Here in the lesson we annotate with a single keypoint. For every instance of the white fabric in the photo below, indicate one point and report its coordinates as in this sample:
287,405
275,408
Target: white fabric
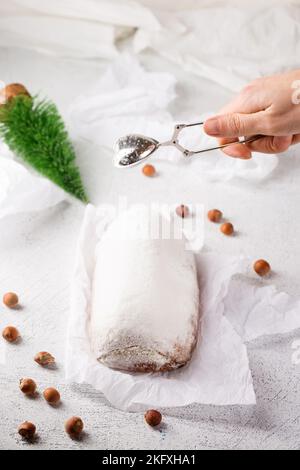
58,36
116,12
226,42
81,28
230,44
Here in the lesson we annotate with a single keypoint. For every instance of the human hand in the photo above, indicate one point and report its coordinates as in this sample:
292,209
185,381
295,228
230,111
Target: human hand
269,107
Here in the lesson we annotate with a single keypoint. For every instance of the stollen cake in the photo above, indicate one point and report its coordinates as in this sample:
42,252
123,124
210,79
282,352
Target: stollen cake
145,297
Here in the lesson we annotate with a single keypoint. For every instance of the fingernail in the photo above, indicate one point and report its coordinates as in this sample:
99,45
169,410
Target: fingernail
212,127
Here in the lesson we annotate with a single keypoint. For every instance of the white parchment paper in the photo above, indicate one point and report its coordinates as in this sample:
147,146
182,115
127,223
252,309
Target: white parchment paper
219,372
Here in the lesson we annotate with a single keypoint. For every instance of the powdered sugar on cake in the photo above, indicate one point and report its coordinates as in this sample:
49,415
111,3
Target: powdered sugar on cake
145,302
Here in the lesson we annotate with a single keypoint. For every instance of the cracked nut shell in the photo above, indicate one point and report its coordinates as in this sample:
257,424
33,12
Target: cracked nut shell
44,358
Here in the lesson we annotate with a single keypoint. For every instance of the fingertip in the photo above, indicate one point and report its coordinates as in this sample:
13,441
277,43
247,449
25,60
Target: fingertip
238,151
211,126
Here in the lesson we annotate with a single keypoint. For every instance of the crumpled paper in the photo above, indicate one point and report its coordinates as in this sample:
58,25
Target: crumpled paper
128,99
219,372
255,312
21,190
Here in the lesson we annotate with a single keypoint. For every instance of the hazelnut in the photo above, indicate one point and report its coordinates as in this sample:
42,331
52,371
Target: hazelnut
149,170
44,358
74,426
182,211
51,395
10,299
262,267
214,215
12,90
227,228
27,386
10,333
153,417
27,430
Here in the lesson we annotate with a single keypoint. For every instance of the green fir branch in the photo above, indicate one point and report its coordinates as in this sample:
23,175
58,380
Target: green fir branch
35,131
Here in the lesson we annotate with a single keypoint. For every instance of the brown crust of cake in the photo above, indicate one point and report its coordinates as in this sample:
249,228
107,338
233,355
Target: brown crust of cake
171,364
146,368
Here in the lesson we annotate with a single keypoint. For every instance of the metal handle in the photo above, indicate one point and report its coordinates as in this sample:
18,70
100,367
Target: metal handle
187,153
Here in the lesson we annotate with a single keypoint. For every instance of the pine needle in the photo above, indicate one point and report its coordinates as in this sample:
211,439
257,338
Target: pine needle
35,131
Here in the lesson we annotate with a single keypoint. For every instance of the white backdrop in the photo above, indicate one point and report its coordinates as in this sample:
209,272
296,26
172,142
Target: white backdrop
227,42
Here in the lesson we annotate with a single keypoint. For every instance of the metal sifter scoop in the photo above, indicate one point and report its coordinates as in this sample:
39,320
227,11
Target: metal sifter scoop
132,149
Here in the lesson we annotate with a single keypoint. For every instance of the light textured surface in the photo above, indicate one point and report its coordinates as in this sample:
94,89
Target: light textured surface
36,253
